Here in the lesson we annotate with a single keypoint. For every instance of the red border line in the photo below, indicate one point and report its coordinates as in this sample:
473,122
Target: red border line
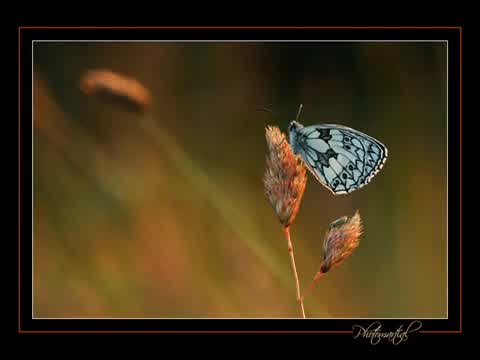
20,331
342,332
19,178
241,27
461,224
186,332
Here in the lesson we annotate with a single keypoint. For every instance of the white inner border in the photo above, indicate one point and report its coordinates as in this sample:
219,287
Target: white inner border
230,41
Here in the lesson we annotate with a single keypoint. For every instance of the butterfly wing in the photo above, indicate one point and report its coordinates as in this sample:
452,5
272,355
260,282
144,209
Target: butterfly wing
341,158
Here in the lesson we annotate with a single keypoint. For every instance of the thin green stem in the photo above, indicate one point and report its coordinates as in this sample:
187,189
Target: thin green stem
318,275
294,268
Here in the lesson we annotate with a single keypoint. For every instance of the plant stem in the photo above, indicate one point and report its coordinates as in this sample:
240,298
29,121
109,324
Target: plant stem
318,275
294,268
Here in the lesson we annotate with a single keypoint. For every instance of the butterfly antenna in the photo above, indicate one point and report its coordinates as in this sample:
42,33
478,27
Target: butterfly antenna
264,109
299,112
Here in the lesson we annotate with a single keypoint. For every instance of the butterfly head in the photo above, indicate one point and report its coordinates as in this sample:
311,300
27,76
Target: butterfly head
293,126
292,134
292,131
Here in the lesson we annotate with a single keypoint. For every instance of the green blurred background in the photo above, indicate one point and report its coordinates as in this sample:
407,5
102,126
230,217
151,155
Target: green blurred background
171,220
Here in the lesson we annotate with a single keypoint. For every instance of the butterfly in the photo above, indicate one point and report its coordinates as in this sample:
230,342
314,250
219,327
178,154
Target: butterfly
341,158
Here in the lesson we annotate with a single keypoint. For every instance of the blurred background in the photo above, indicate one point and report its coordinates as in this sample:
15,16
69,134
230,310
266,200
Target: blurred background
161,212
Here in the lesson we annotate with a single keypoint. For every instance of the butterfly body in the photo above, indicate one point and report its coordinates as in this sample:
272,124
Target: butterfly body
341,158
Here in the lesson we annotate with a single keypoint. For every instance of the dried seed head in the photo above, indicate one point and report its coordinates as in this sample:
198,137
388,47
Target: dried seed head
341,239
285,177
113,87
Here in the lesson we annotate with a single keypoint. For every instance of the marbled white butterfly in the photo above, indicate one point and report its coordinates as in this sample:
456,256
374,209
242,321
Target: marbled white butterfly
341,158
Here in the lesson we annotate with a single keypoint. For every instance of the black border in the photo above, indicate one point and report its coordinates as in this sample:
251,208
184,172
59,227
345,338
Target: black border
328,326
